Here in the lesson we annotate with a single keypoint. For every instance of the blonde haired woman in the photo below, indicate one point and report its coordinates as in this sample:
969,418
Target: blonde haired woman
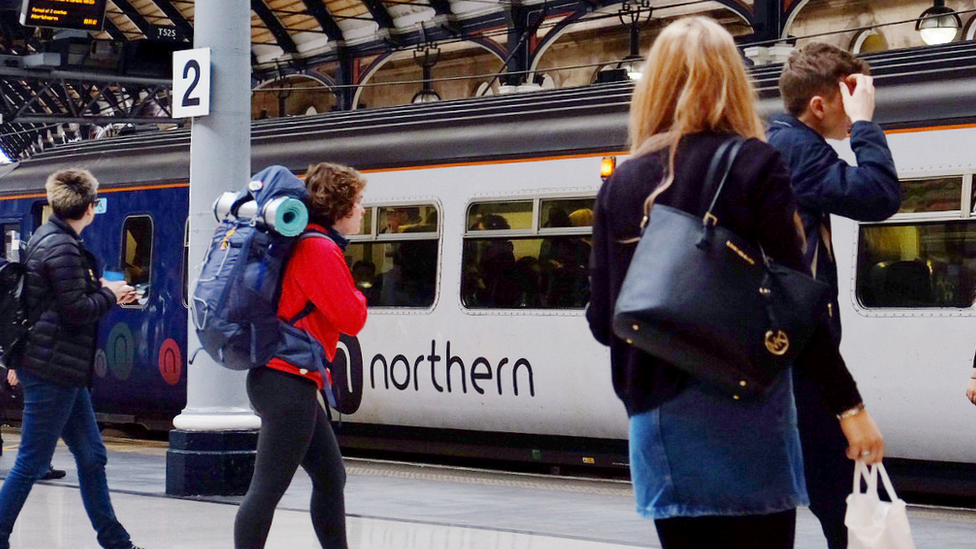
711,472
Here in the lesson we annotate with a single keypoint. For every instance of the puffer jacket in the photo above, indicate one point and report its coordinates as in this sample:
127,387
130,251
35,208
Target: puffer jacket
63,284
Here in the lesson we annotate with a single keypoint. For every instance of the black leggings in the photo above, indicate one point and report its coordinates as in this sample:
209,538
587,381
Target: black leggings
294,431
774,531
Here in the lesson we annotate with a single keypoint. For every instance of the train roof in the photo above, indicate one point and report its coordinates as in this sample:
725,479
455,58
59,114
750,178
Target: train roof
918,87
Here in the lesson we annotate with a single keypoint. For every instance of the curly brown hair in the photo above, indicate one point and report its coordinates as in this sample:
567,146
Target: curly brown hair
332,191
816,69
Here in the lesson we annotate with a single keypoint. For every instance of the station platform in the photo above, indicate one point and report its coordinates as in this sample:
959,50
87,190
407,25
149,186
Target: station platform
389,506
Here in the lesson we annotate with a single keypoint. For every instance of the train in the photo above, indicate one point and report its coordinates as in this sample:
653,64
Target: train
473,258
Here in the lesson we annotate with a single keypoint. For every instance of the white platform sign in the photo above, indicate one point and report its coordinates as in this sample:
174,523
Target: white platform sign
191,83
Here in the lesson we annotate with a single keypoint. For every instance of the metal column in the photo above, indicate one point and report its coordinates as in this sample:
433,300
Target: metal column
212,449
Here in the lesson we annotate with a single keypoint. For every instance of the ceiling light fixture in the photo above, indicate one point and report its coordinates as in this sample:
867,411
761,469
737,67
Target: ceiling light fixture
632,14
938,24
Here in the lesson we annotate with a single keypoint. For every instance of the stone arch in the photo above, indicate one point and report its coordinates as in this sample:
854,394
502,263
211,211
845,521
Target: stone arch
300,103
554,35
387,57
868,41
791,14
561,28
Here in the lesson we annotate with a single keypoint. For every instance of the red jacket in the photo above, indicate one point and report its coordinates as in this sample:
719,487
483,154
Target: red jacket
317,272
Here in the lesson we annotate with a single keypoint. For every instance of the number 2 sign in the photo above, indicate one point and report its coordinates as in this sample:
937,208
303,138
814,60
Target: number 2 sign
191,83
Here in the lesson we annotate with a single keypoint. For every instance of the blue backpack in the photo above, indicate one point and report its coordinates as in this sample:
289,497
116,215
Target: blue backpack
235,302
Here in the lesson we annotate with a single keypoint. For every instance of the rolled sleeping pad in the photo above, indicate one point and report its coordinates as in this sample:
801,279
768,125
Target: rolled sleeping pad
285,215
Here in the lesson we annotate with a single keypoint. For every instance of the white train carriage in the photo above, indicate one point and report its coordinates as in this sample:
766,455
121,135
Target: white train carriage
479,213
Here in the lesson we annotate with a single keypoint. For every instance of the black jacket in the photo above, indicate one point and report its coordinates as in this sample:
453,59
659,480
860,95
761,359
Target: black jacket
826,184
757,203
63,288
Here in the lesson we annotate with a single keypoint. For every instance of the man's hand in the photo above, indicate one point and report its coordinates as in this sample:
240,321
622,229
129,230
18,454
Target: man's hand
857,93
124,294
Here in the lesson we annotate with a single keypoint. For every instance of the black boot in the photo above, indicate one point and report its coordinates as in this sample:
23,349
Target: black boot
53,474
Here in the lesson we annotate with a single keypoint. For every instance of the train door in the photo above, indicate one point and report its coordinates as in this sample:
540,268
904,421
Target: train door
11,240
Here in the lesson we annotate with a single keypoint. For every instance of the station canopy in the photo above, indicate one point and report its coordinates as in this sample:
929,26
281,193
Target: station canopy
80,78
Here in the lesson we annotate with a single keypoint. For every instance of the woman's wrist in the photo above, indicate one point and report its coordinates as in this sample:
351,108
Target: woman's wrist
851,412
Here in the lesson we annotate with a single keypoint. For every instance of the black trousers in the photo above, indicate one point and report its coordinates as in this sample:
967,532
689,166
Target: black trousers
829,473
773,531
294,431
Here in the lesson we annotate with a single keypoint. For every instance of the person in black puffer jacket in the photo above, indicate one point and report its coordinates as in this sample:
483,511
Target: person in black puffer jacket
67,296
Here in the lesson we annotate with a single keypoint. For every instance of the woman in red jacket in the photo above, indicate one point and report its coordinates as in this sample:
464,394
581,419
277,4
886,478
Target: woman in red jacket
294,427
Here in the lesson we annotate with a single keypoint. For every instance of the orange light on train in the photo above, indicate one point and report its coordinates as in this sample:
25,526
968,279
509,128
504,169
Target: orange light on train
608,165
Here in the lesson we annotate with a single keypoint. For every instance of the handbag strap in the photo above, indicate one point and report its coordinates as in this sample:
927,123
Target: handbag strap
709,220
732,147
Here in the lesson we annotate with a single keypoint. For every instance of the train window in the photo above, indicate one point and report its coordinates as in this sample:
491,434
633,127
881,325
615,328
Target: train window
367,226
931,195
540,262
923,265
406,219
41,212
499,216
136,260
925,256
394,263
11,241
560,213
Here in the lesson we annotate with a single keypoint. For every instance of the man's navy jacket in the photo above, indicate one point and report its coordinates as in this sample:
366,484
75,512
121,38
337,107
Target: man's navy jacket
825,184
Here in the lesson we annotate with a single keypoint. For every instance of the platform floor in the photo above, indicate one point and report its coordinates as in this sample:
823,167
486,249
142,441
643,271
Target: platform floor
390,506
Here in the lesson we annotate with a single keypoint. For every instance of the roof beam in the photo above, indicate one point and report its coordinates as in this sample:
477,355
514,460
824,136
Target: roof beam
112,30
317,9
379,13
274,25
442,7
176,16
133,14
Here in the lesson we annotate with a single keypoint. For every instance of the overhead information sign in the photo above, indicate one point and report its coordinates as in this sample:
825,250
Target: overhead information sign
64,14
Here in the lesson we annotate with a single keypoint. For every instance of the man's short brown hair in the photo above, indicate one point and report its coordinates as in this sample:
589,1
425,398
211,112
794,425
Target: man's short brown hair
816,69
70,191
332,191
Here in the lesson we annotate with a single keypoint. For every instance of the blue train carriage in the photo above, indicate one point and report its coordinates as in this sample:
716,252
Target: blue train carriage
139,230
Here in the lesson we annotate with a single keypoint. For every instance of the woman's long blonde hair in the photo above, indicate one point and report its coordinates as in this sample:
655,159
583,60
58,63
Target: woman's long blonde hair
693,80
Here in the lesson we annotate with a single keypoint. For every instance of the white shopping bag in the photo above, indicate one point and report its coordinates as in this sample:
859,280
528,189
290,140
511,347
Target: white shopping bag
872,523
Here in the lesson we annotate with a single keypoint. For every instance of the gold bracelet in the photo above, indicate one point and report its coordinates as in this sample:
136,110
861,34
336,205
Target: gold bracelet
857,409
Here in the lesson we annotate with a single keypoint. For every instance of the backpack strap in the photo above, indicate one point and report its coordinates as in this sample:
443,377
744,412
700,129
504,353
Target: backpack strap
309,307
33,318
307,310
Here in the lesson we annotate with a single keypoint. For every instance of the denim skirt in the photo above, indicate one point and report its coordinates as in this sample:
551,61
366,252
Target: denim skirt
702,453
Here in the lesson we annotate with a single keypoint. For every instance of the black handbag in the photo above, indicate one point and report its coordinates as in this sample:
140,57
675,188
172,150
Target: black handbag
703,299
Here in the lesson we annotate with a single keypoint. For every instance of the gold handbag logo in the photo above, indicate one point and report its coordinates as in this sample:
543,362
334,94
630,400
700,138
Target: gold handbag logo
740,253
777,342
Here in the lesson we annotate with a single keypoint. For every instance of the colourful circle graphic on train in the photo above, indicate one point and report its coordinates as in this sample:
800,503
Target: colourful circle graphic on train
170,361
120,349
101,363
